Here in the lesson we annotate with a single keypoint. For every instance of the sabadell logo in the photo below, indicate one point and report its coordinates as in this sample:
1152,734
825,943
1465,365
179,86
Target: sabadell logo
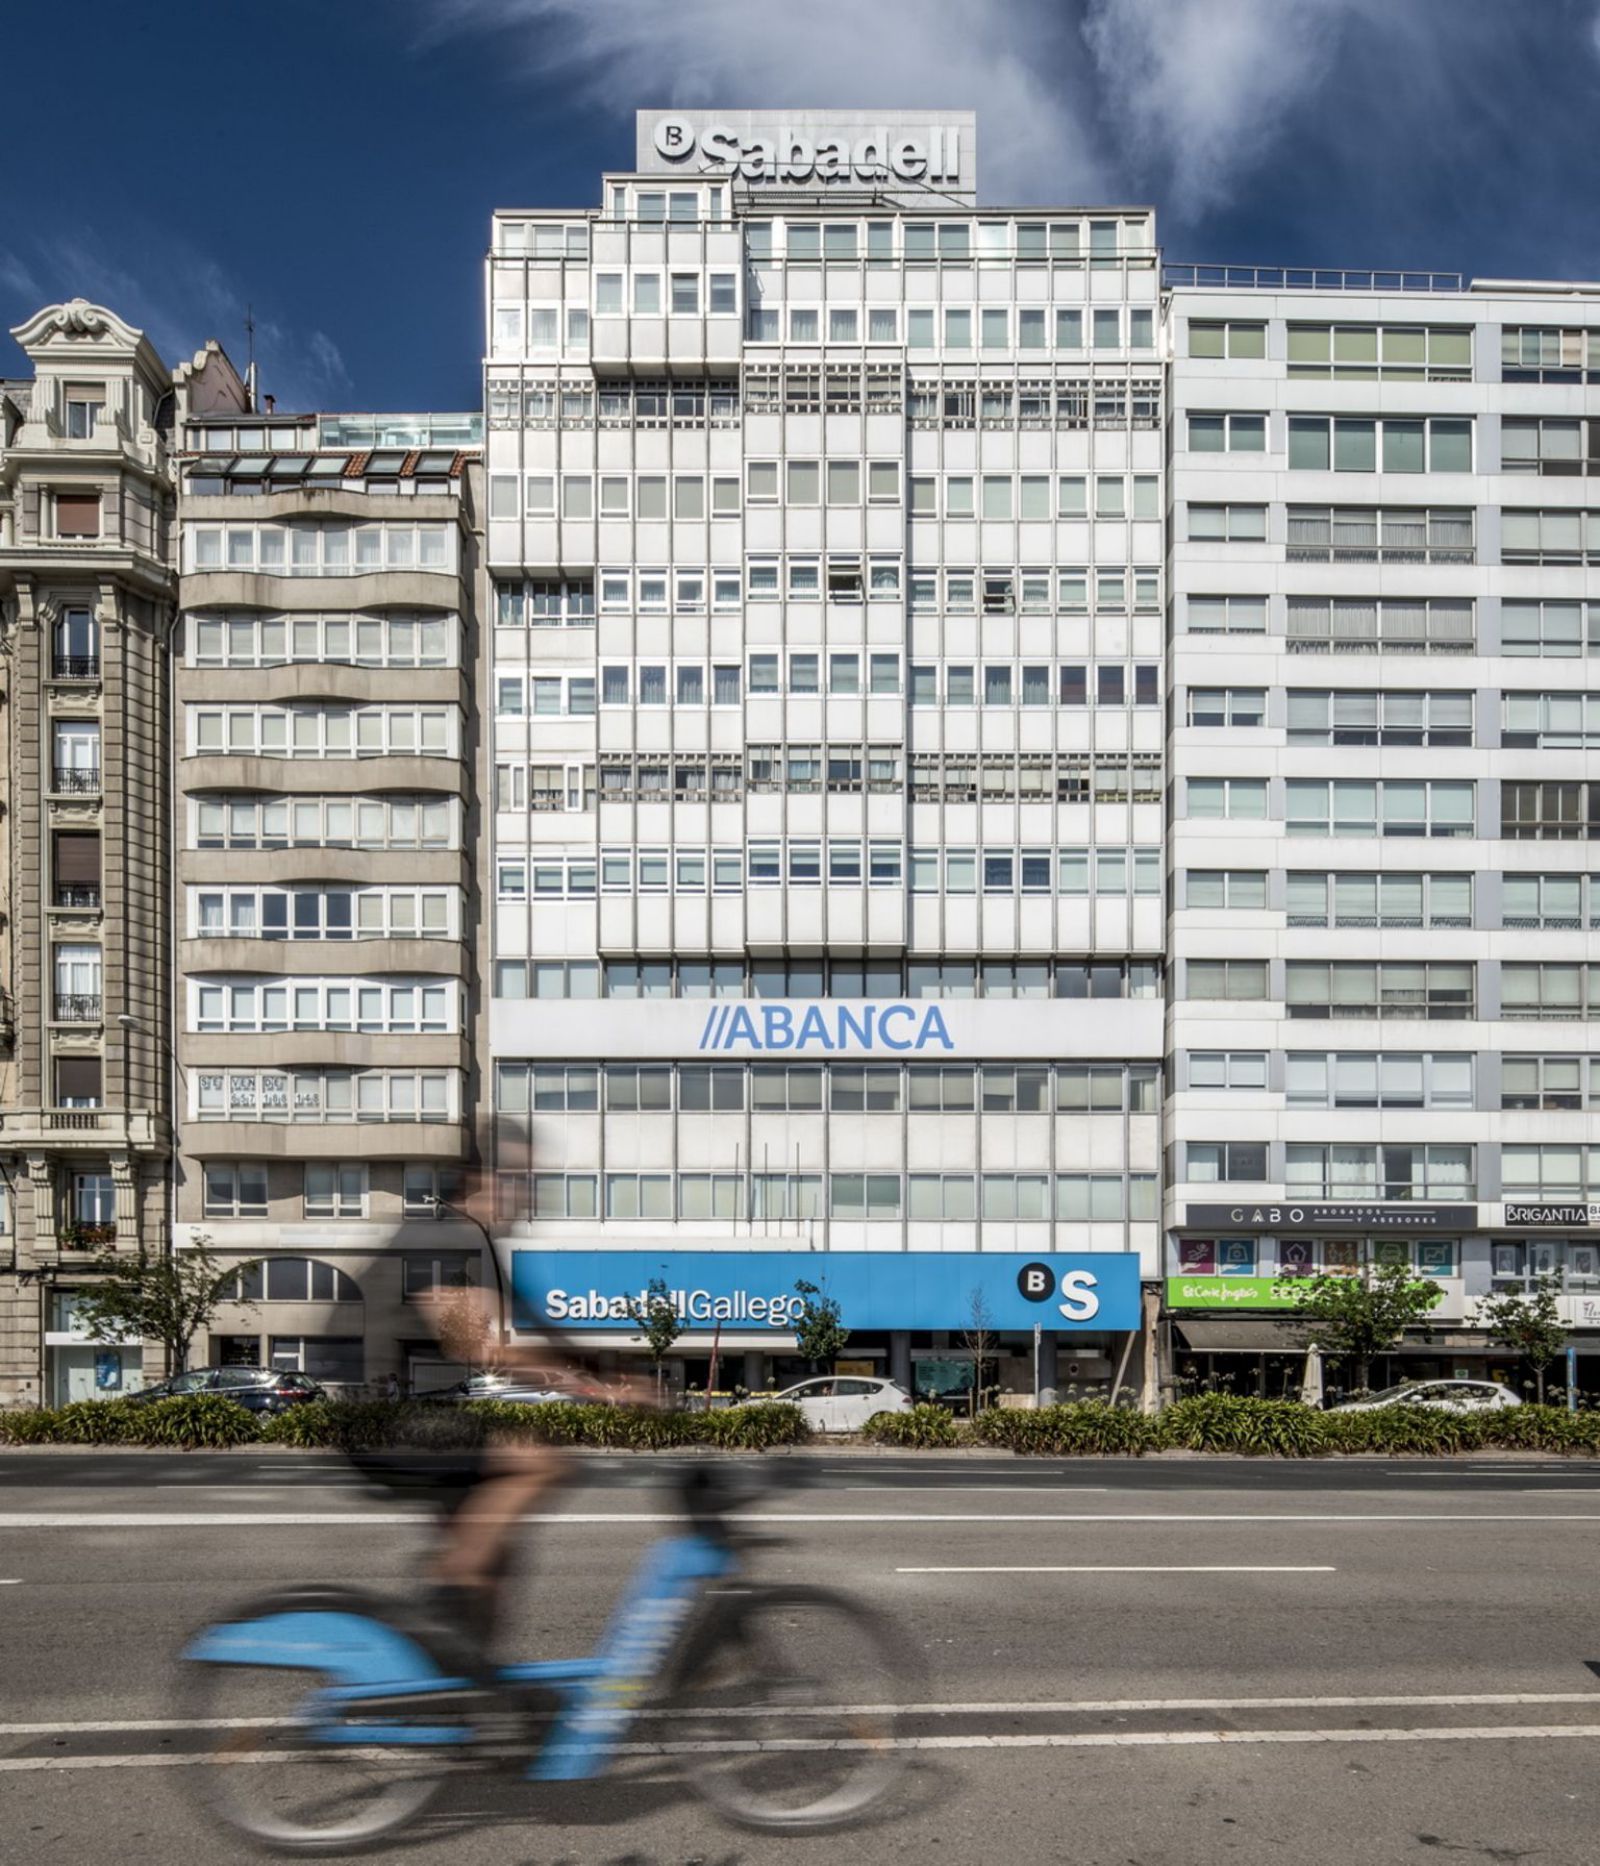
880,155
837,1027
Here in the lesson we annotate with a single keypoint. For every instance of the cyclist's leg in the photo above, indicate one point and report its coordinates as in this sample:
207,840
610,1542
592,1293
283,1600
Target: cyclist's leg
477,1537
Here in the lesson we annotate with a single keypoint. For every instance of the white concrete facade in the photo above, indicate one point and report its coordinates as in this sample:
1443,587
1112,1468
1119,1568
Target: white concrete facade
1380,945
825,548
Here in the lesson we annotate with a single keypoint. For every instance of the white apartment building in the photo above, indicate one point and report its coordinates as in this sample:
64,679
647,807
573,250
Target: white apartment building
1382,983
825,543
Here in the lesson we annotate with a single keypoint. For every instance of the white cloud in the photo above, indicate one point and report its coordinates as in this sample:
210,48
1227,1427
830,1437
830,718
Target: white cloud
1016,62
1199,89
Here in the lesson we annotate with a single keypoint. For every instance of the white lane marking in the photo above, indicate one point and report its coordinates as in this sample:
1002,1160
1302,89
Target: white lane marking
1026,1490
1095,1739
14,1583
1001,1708
286,1519
1119,1568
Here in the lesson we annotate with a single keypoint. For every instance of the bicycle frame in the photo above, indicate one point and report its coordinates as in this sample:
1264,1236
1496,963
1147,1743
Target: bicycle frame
374,1661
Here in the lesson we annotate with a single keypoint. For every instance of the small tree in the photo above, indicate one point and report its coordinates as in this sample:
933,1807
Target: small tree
978,1338
656,1317
466,1325
1528,1323
167,1297
819,1330
1354,1317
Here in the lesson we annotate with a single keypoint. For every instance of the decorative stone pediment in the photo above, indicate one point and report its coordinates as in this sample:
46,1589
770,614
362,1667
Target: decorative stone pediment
79,325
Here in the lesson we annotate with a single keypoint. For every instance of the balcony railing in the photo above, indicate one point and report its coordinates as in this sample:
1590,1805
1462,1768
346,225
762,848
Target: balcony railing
1308,279
75,667
77,1007
76,780
72,1120
77,894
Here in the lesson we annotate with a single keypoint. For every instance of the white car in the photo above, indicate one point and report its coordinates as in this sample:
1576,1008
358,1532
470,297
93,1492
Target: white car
1441,1395
844,1402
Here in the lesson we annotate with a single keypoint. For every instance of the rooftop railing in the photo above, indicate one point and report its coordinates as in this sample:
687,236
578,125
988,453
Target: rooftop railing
1308,279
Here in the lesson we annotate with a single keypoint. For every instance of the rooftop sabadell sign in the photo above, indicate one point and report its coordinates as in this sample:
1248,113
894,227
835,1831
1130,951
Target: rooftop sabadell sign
814,149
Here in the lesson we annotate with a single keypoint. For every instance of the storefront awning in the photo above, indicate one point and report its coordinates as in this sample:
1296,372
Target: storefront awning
1236,1334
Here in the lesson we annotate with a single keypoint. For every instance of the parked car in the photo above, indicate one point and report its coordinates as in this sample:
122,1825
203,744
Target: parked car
1441,1395
256,1389
505,1387
844,1402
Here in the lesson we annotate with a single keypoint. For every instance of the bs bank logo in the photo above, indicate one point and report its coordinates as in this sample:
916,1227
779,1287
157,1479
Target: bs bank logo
877,156
837,1028
1036,1282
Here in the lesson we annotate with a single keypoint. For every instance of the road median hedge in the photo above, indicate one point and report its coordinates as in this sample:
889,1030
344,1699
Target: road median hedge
1216,1422
207,1421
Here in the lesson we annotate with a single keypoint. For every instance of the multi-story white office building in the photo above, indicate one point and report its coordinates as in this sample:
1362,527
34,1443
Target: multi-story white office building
1380,1030
826,549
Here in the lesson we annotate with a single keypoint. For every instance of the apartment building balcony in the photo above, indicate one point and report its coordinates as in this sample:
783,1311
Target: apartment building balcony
75,781
91,1130
77,1007
80,896
81,667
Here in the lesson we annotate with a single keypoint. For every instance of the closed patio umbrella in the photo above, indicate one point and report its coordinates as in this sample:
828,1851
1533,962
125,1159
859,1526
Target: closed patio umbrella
1311,1381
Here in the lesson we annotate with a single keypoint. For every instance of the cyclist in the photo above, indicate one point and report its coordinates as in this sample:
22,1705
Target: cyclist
503,1477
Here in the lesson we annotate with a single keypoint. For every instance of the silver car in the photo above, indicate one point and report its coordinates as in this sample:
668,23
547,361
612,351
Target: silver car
1441,1395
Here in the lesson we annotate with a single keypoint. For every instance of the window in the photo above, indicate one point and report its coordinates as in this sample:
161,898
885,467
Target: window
1397,352
1368,535
1388,1079
1227,978
1439,625
1371,718
1549,991
1226,524
1386,807
1227,706
1352,989
1389,899
85,403
335,1191
1395,444
1217,1162
1238,888
1549,812
1233,434
235,1189
1227,1069
1236,798
864,1195
1567,1173
1343,1171
1556,446
1244,340
77,514
1550,721
1226,615
1550,1082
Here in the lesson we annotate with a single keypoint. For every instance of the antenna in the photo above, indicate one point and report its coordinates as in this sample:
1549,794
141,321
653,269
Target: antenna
250,356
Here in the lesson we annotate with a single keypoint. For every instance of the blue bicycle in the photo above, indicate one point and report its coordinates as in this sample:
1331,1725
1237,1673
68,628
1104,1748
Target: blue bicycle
329,1720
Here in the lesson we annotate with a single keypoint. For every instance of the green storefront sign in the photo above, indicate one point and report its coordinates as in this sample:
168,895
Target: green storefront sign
1228,1292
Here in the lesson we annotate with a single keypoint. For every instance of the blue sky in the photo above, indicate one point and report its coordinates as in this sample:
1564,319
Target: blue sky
333,163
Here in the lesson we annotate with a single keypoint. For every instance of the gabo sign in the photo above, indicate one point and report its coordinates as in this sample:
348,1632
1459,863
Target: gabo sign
932,154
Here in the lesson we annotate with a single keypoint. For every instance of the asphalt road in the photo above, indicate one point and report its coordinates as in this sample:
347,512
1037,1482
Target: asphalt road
1152,1663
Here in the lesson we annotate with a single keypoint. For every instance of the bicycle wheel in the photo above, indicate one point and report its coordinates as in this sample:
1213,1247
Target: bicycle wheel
784,1709
268,1774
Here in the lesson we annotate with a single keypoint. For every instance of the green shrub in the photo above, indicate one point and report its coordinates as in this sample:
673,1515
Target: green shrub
27,1425
1080,1428
192,1422
923,1428
756,1427
1254,1428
